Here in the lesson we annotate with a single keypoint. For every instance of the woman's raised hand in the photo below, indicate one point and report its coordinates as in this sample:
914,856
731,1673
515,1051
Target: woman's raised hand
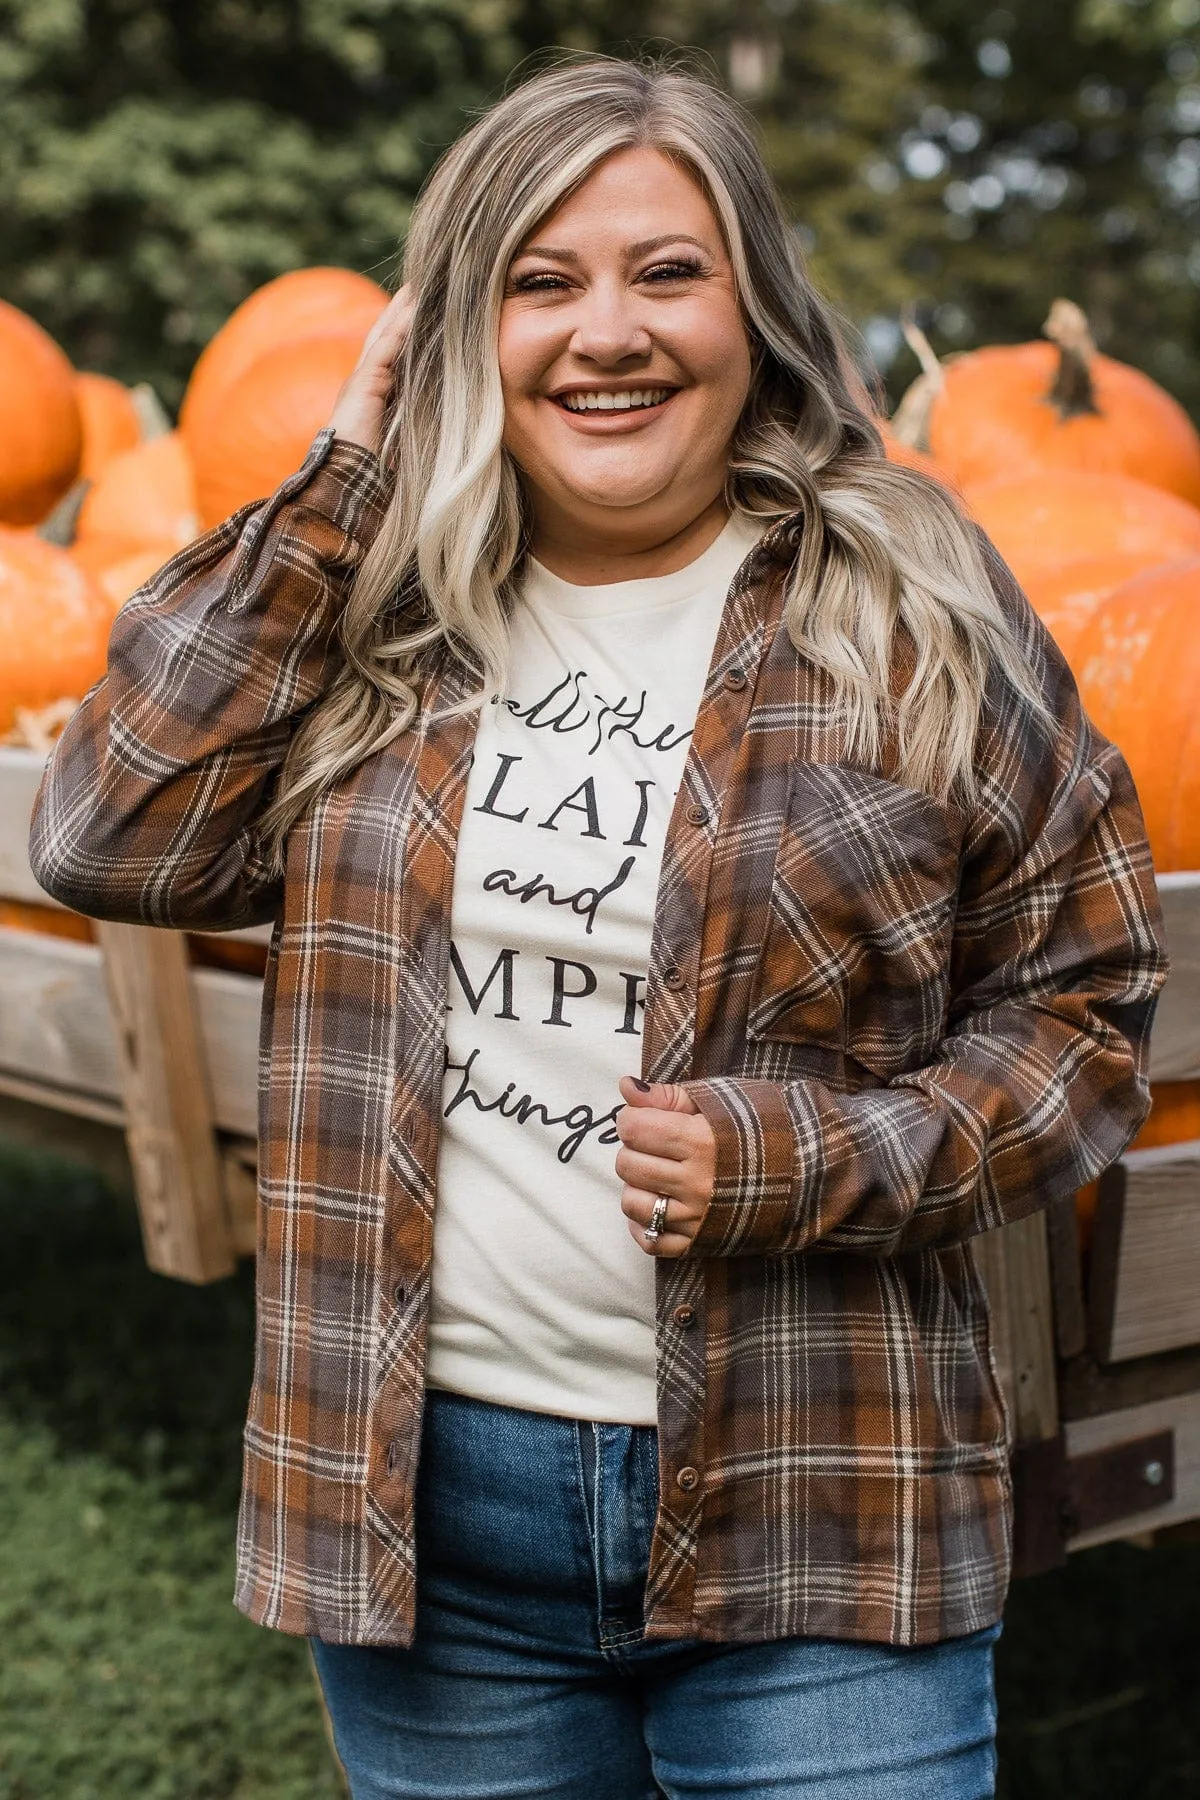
358,411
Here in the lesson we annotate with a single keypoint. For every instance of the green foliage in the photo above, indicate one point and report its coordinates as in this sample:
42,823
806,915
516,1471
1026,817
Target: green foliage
127,1672
1084,179
125,1669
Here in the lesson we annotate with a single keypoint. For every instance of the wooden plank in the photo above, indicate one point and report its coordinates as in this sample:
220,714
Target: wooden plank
1145,1272
1015,1266
1175,1039
20,774
168,1107
1180,1415
56,1025
239,1168
1087,1388
62,1100
1066,1278
39,1123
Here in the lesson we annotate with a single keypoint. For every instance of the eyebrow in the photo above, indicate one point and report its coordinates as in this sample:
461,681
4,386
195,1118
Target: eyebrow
642,248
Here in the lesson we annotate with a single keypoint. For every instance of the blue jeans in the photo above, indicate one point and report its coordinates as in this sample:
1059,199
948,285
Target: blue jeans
529,1674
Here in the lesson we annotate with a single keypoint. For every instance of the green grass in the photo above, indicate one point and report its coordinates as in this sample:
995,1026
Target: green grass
125,1670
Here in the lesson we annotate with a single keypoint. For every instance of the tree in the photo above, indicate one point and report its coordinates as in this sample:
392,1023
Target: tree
1062,144
160,159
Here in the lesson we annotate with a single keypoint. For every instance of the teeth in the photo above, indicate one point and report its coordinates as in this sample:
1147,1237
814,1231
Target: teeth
589,400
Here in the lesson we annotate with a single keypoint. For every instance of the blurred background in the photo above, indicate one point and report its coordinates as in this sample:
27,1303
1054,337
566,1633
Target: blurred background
161,159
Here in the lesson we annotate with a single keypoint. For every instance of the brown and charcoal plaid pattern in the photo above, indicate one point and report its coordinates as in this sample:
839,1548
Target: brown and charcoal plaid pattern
905,1023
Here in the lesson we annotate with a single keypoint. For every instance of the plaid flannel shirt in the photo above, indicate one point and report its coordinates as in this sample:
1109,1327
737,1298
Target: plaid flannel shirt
906,1024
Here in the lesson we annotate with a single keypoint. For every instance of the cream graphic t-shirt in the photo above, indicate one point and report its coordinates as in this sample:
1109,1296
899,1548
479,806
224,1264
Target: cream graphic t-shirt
541,1299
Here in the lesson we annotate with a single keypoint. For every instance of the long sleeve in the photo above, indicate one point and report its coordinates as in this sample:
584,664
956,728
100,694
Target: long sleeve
148,807
1040,1078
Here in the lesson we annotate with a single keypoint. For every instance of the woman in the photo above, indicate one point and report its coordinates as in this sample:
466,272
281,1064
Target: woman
672,813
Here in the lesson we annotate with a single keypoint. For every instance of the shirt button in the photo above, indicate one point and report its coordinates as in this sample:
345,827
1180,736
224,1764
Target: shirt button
687,1478
685,1316
696,815
400,1294
673,978
735,680
393,1456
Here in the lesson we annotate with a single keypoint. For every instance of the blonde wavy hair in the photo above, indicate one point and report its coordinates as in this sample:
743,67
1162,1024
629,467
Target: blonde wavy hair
883,549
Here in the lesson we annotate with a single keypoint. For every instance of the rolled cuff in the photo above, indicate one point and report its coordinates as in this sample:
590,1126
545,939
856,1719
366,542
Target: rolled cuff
751,1210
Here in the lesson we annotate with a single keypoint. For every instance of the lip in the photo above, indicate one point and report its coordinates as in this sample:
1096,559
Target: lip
608,424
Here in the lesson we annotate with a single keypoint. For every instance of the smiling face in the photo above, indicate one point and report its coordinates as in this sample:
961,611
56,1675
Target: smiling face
625,365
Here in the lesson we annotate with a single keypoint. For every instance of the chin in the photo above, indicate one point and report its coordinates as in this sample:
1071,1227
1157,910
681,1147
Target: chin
618,490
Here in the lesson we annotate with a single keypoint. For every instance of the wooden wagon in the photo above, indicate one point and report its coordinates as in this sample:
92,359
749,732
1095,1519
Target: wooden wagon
1099,1355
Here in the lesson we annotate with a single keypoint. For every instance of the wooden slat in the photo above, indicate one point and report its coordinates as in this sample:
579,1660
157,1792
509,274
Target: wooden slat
1175,1039
1180,1415
20,774
239,1168
56,1026
1145,1269
168,1106
62,1100
1015,1266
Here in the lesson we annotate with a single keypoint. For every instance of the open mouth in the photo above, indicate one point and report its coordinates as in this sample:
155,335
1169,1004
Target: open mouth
597,400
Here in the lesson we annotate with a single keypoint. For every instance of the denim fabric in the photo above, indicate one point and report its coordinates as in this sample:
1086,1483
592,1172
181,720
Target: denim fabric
529,1674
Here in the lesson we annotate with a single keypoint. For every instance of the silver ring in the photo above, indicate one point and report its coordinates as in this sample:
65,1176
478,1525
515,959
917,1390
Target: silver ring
658,1219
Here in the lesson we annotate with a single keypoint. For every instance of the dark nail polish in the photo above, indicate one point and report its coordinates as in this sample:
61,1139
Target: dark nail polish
643,1087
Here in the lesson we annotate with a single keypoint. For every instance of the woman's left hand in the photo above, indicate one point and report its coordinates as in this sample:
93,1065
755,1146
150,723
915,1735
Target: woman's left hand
667,1148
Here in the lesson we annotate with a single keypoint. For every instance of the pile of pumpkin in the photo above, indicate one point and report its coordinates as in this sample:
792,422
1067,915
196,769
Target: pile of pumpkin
1086,476
1083,471
97,492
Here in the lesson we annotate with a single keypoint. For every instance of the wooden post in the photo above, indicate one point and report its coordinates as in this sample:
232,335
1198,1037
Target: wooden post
1015,1265
168,1104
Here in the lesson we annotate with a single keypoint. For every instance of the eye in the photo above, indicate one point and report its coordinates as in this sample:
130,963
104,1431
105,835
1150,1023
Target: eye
537,281
680,268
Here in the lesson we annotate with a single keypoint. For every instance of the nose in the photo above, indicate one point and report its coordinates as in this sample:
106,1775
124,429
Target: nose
609,328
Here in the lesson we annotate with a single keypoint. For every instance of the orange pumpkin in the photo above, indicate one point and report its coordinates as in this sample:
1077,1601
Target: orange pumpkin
54,625
1060,405
124,572
907,454
1065,598
42,438
1039,522
110,421
144,496
248,446
24,915
303,304
1138,661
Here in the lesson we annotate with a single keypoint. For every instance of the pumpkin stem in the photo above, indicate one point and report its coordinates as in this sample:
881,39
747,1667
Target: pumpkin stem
59,525
152,414
1073,392
910,421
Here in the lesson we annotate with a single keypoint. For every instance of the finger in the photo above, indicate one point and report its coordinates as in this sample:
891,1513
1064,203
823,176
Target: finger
670,1244
663,1096
387,336
659,1133
654,1174
678,1227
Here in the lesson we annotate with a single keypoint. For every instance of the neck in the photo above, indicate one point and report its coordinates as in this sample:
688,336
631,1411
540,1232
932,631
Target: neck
588,558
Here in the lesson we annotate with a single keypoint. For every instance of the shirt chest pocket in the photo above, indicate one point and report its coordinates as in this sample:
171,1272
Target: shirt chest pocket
856,952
